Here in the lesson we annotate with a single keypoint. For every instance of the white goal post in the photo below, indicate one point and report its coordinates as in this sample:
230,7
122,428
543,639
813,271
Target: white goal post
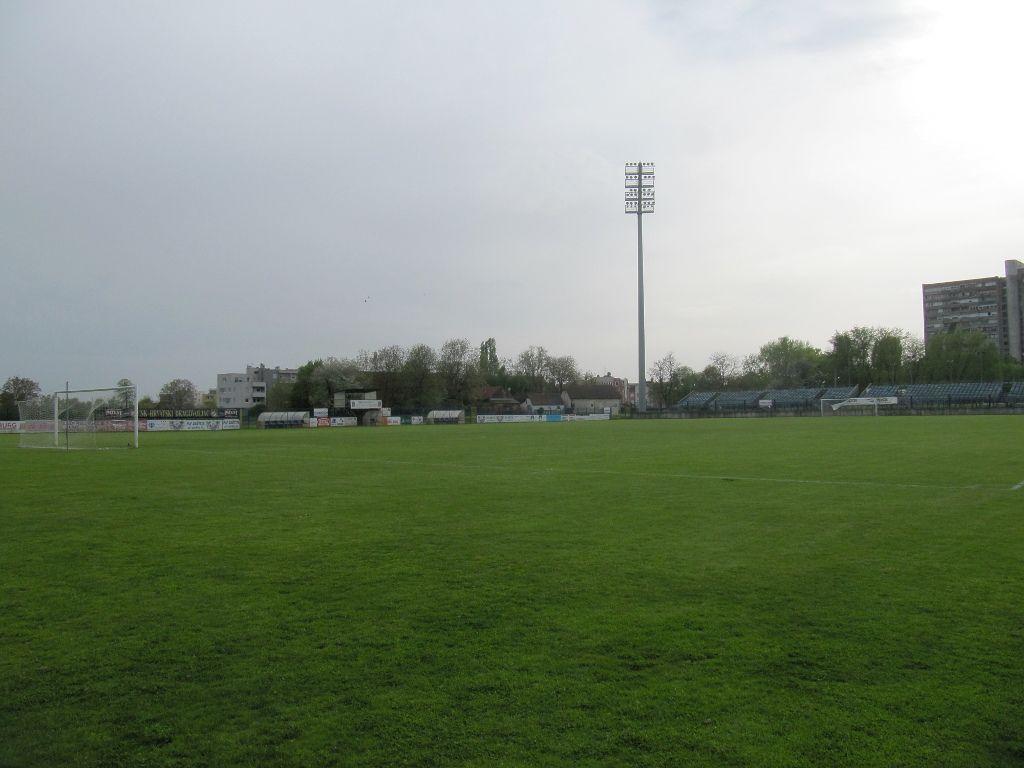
90,419
854,406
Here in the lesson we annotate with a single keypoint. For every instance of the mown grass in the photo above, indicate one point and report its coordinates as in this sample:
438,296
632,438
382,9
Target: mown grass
768,592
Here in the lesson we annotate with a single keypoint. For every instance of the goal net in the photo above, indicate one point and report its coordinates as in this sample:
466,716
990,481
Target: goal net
856,406
81,419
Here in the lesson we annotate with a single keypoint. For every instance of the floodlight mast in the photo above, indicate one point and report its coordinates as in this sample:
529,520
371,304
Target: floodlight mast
640,200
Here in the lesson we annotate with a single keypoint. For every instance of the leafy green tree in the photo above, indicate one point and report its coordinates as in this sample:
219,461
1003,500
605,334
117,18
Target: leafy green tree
179,393
15,389
710,379
913,359
302,393
962,356
420,386
490,366
841,360
849,361
887,357
788,363
1012,370
279,396
318,381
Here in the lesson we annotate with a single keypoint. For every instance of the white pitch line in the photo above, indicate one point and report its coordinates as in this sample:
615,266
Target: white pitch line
1018,486
678,476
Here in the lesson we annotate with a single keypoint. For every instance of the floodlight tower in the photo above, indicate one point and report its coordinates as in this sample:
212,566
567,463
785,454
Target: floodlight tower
640,200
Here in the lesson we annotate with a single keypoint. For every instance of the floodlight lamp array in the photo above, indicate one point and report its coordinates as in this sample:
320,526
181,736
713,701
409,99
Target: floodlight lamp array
640,187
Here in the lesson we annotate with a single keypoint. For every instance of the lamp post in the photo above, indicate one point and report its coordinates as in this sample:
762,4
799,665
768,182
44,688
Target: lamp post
640,200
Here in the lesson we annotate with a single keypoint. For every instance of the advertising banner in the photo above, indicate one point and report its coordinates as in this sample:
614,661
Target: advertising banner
344,421
10,426
394,421
416,420
189,425
510,418
323,421
364,405
320,413
181,413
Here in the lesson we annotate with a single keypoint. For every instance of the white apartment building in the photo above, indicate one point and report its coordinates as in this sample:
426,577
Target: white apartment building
244,390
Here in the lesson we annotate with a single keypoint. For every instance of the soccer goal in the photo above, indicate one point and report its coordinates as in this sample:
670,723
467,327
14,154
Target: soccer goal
89,419
855,406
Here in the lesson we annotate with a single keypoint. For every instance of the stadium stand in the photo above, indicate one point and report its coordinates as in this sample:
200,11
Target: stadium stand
792,398
960,393
882,390
737,400
696,400
1016,394
837,393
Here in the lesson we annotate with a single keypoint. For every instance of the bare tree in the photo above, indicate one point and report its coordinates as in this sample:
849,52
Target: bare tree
532,363
457,367
385,365
728,367
666,381
562,370
125,398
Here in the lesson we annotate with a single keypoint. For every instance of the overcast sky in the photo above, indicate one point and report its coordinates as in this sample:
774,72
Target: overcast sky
188,187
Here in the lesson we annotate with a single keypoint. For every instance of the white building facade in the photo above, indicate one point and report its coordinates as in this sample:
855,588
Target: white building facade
245,390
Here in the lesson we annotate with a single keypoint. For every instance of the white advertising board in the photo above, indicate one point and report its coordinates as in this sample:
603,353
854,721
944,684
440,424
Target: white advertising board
320,413
344,421
394,421
10,426
364,405
871,401
191,425
416,420
510,418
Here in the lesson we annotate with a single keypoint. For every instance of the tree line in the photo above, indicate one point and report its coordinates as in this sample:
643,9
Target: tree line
420,377
457,373
856,357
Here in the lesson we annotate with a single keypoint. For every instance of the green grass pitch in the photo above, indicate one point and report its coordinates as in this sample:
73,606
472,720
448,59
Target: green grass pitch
791,592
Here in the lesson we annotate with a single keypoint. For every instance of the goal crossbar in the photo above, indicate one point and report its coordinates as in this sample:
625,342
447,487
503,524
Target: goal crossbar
93,418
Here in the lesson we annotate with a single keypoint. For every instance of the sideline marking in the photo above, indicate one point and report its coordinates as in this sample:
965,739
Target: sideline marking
680,476
1018,486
